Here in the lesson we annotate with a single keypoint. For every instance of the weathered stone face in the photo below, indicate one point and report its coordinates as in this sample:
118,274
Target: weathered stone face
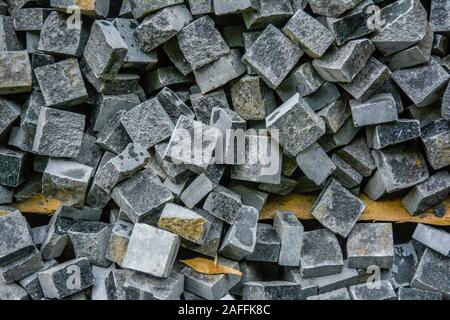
17,79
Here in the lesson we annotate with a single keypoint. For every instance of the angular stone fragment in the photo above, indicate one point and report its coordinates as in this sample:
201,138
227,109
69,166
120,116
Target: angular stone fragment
345,173
202,185
211,287
240,239
405,261
12,292
135,56
151,250
201,43
337,209
204,104
400,167
105,50
161,26
10,112
141,196
17,79
8,37
432,273
272,46
219,72
119,168
223,204
252,99
270,12
357,154
309,34
29,19
296,124
335,114
61,83
290,231
140,286
85,213
315,163
268,245
325,95
58,38
440,45
421,92
173,51
332,8
211,244
343,64
303,79
368,81
417,294
113,137
184,147
341,138
92,8
66,181
271,290
225,7
388,134
375,188
56,238
148,123
21,267
58,133
6,195
66,279
15,239
370,244
436,140
31,282
405,25
90,153
114,284
163,77
440,16
321,254
438,240
108,105
118,241
380,108
173,105
416,55
252,198
177,172
379,290
339,294
15,167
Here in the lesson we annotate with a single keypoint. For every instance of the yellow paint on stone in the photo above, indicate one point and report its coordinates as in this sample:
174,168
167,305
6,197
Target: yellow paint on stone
191,229
38,204
390,210
88,5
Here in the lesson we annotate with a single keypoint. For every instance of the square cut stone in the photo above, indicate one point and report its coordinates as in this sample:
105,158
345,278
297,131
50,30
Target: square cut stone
270,12
8,37
432,273
223,204
225,7
271,290
66,181
290,231
141,196
10,112
435,239
272,45
148,123
321,254
295,125
268,245
388,134
410,294
105,50
309,34
201,43
332,8
91,8
370,244
400,167
17,79
379,108
15,237
62,84
151,251
59,133
422,93
381,290
343,64
405,262
337,209
440,16
141,8
139,286
15,167
315,163
436,141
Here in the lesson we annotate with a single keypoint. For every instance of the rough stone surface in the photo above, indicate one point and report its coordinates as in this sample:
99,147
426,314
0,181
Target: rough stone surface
272,56
392,133
370,244
17,79
14,167
290,231
315,163
145,287
405,261
417,294
436,140
380,290
433,238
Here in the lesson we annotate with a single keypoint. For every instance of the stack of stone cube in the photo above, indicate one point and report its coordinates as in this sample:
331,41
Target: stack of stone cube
100,99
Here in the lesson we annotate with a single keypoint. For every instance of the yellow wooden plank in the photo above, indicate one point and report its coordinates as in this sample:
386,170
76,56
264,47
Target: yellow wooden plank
39,204
382,210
